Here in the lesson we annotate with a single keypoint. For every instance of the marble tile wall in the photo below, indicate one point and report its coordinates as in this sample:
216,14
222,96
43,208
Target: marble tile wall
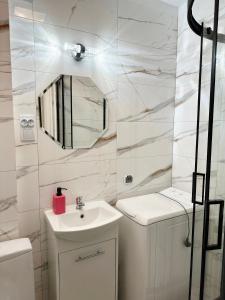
147,37
8,194
188,53
134,65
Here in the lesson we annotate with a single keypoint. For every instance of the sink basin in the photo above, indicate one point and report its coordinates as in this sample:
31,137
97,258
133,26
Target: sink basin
95,216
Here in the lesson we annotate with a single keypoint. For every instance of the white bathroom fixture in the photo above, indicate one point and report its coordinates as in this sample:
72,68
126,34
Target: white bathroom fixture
16,270
83,252
154,257
95,217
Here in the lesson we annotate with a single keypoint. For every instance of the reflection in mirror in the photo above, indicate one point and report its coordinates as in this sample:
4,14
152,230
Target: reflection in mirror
73,112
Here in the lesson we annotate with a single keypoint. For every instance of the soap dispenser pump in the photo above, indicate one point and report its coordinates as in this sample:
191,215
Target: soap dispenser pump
59,201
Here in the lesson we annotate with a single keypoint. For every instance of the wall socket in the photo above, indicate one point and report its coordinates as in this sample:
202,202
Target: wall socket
27,128
128,179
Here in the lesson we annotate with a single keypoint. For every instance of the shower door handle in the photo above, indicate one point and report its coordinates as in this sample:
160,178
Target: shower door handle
194,188
218,244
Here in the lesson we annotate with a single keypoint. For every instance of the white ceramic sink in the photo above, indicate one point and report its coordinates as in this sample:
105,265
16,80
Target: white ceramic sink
95,215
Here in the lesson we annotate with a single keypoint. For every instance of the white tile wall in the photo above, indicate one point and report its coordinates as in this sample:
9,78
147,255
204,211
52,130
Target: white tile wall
135,68
8,193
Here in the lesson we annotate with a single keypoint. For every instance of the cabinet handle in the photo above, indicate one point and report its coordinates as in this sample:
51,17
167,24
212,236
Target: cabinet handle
97,253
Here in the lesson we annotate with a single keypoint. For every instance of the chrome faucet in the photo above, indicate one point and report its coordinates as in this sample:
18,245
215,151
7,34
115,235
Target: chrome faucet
79,203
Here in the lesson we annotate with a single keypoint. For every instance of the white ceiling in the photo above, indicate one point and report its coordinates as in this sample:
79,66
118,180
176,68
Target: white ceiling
175,2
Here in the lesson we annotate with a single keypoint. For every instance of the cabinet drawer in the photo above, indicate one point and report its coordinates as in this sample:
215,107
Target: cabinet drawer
89,273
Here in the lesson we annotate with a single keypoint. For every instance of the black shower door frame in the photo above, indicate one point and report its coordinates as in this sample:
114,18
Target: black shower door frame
206,202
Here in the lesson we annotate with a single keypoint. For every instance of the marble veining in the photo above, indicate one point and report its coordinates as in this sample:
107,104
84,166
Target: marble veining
72,179
140,21
23,88
5,204
189,133
24,171
155,175
148,112
149,140
7,234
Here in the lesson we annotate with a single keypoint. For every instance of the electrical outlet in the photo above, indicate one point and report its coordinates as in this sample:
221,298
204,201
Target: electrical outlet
128,179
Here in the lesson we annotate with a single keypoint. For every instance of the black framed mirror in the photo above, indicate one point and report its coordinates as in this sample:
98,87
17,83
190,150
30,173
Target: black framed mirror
73,112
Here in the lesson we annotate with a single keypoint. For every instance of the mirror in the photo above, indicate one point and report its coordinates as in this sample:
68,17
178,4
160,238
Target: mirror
73,112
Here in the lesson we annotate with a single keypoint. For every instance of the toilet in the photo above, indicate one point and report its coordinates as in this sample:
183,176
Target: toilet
16,270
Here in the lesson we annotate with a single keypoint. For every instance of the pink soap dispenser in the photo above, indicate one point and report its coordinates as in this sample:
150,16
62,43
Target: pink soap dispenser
59,202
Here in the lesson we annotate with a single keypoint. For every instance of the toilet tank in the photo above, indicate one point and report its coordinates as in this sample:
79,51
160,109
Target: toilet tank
16,270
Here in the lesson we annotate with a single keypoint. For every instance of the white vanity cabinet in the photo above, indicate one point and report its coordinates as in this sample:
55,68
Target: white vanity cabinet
83,252
83,266
88,272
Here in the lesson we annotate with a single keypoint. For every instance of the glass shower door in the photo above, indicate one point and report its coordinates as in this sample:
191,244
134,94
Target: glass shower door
213,286
207,279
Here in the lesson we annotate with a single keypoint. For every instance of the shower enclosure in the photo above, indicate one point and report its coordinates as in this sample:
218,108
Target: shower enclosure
207,273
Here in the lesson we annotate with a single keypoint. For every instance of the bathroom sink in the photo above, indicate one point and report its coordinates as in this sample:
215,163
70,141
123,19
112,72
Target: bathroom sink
92,218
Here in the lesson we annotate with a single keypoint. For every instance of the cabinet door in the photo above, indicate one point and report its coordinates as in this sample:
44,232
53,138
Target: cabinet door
89,273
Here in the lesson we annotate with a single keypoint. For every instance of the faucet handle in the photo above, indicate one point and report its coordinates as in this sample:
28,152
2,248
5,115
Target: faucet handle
79,200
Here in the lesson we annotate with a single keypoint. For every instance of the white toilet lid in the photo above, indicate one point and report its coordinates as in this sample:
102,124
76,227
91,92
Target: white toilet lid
156,207
14,248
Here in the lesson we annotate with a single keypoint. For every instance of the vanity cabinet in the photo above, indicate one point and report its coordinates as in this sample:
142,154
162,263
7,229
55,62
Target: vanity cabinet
83,265
89,272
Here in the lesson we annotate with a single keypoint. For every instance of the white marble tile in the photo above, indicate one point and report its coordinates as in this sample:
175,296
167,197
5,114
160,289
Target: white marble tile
98,17
23,83
147,33
183,168
187,99
108,178
9,230
44,239
52,54
144,139
26,155
37,266
29,226
6,104
22,43
44,271
148,173
8,197
50,153
144,65
7,148
75,177
144,103
148,11
27,188
107,143
185,139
